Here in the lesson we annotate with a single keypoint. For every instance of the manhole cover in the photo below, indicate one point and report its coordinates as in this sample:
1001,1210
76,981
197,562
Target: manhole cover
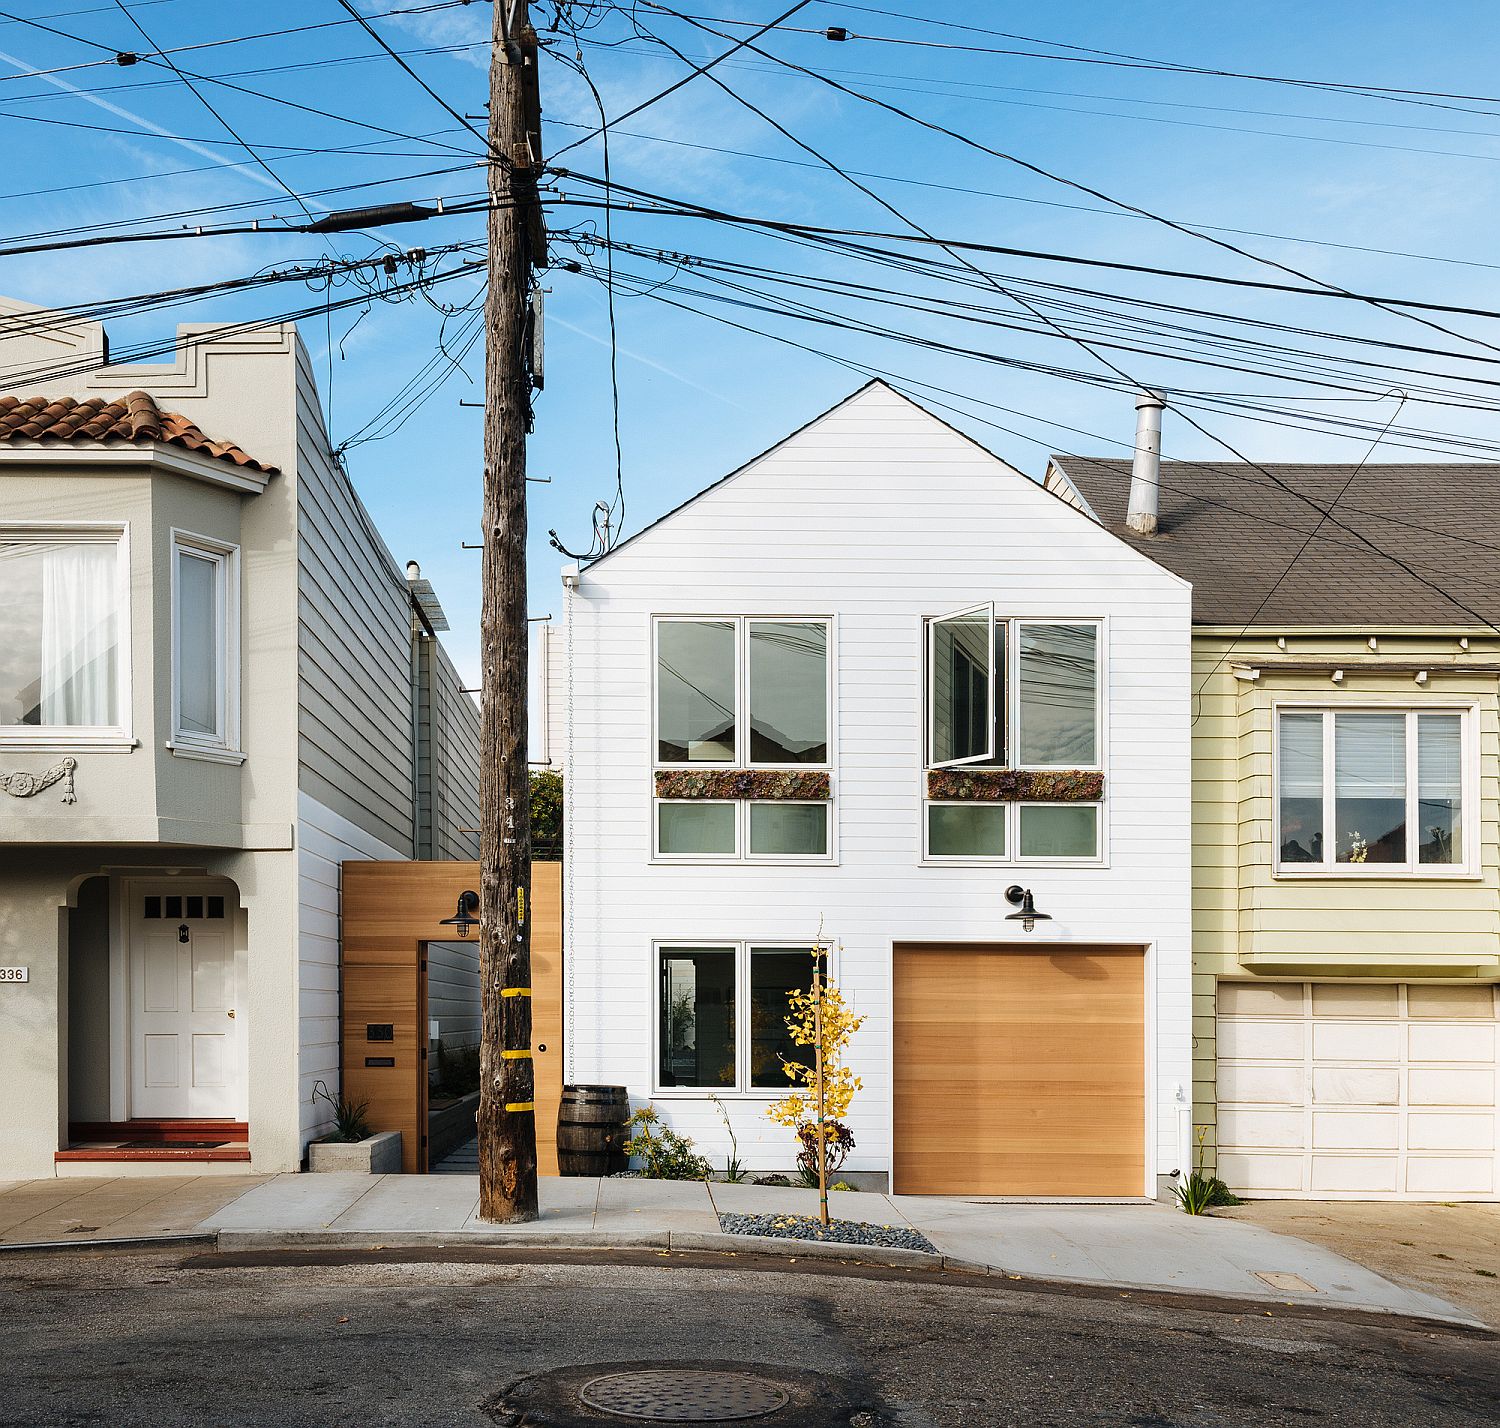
683,1396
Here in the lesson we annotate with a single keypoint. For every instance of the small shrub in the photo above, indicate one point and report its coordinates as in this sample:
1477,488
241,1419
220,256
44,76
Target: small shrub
840,1143
734,1168
772,1180
664,1154
350,1118
1199,1192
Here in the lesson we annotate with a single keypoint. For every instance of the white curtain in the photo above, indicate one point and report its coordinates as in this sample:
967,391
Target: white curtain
80,595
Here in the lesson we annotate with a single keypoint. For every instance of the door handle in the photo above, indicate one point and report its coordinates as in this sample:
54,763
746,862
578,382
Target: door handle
231,1013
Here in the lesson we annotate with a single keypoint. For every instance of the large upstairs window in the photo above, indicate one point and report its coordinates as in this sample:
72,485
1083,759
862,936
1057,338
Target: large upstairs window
63,667
746,692
1017,694
742,692
1374,792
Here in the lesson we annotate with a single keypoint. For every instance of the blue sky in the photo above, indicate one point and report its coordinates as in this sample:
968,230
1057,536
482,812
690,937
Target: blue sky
1302,170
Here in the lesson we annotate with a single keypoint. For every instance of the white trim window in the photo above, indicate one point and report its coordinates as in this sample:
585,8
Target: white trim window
742,692
1021,694
65,653
205,648
1375,792
721,1010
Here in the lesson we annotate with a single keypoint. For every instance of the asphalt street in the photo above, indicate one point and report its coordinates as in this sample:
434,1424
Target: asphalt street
194,1337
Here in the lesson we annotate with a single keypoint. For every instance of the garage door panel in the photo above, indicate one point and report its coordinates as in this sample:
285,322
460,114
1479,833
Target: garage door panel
1474,1003
1355,1086
1355,1041
1260,999
1282,1130
1344,1174
1456,1042
1255,1040
1250,1171
1434,1130
1450,1175
1356,1130
1261,1085
1450,1086
1393,1094
1019,1073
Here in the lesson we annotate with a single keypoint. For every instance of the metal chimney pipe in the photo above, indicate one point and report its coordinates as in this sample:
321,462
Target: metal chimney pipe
1145,471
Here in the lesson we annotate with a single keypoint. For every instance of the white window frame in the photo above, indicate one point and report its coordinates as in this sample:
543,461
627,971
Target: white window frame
743,949
742,623
1468,867
223,746
84,738
991,703
741,758
1012,725
742,853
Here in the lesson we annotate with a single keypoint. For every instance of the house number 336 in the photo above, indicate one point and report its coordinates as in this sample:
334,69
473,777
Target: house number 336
15,974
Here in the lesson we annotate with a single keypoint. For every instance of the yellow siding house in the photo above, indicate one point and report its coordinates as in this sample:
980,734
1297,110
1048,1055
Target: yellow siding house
1346,813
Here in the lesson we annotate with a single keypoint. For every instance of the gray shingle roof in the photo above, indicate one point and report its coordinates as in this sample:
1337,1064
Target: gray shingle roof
1232,531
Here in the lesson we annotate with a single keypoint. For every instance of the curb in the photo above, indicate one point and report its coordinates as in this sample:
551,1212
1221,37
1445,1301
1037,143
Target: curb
166,1241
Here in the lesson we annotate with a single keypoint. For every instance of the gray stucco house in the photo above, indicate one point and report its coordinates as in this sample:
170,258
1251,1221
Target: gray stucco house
216,685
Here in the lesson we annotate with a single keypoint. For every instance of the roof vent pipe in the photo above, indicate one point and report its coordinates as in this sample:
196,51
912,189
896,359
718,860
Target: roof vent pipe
1145,471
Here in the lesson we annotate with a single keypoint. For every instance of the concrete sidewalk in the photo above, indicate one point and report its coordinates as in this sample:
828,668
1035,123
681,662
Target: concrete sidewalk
1141,1246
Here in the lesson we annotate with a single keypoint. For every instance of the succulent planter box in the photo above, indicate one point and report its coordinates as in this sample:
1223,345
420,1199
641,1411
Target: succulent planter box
379,1154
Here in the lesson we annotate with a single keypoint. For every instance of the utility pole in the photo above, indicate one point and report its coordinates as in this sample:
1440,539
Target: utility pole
517,243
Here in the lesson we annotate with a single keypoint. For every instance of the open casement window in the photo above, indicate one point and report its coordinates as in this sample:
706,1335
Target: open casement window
962,708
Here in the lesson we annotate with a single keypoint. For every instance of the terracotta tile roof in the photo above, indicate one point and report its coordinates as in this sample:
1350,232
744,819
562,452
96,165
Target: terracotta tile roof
1239,537
134,417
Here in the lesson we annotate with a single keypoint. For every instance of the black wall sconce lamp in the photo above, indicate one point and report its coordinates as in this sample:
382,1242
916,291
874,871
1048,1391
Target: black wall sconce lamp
466,915
1027,915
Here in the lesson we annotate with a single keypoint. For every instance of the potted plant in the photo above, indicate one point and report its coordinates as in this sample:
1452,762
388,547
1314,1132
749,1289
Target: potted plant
351,1146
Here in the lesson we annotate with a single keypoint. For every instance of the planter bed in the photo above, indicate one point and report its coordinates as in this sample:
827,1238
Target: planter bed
379,1154
843,1232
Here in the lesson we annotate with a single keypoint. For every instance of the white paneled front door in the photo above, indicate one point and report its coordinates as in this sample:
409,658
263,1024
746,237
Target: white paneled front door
186,1028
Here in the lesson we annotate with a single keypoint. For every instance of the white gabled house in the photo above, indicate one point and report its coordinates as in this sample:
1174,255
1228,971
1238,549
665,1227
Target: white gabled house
860,689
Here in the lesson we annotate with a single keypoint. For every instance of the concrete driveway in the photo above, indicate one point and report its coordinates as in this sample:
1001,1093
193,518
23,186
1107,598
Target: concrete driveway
1452,1250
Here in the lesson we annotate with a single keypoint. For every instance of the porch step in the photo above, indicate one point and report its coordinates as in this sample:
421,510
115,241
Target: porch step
165,1131
226,1152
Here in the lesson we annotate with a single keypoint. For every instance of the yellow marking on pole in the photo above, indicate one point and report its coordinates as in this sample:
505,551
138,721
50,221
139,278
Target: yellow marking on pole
520,904
516,1055
515,991
520,1105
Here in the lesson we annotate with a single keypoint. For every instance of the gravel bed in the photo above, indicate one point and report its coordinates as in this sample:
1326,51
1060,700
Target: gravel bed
843,1232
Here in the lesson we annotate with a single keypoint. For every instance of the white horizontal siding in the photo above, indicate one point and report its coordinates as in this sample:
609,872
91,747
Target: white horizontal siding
325,840
879,516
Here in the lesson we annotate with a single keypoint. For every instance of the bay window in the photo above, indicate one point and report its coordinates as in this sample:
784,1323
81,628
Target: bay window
1372,791
205,647
721,1015
741,693
63,666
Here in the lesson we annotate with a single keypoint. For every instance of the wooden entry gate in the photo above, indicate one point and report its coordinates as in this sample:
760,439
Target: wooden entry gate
390,912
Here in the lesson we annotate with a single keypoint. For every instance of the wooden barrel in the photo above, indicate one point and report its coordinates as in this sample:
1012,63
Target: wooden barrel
591,1132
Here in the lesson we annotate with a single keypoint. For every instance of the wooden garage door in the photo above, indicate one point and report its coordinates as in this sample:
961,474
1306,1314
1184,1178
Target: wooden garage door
1019,1072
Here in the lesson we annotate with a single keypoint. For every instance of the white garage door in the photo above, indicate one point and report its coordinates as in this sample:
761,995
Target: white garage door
1337,1090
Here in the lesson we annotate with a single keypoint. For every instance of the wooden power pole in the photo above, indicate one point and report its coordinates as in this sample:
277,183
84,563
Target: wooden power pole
517,243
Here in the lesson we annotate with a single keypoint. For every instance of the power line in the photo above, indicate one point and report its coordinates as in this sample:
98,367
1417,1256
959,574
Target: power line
1058,178
696,70
1038,202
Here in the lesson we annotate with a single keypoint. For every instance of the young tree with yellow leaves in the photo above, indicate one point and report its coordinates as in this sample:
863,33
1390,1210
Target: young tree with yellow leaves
824,1087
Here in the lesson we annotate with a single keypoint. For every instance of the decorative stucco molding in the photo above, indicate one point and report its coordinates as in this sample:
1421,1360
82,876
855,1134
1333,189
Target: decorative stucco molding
21,784
1016,785
743,783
